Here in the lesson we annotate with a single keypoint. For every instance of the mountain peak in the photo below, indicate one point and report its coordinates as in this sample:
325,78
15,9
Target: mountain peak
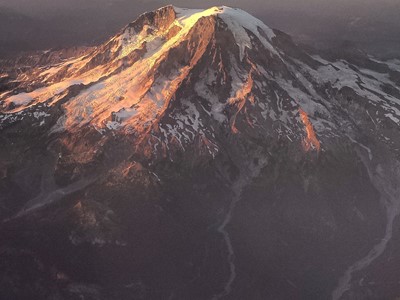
176,74
144,45
237,20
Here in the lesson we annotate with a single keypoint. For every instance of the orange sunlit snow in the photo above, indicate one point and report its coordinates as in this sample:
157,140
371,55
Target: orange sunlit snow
311,141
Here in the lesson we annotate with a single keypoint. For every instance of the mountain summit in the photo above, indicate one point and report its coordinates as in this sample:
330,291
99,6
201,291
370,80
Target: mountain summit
199,154
194,67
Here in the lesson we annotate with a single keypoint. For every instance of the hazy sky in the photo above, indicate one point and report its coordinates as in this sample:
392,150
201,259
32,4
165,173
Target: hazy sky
323,6
74,22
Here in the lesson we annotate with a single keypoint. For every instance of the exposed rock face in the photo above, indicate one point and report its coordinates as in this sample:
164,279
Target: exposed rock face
198,155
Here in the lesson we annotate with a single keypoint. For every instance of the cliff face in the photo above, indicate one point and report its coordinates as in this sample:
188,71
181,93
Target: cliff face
194,155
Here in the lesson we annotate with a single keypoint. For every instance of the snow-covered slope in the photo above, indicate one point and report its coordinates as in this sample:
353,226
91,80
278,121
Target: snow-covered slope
119,92
125,84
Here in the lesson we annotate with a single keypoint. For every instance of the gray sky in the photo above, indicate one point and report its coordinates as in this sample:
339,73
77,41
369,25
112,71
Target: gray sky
373,23
372,7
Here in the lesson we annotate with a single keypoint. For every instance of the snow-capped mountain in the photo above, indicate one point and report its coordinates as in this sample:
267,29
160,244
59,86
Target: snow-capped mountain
200,154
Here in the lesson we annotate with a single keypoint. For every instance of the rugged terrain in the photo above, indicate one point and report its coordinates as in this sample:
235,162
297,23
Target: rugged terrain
199,154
